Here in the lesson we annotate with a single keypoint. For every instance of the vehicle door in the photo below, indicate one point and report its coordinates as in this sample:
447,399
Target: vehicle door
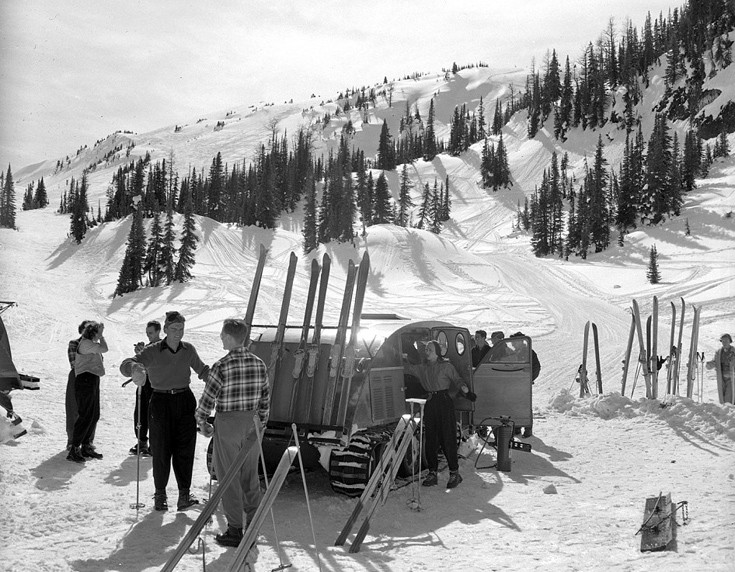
502,383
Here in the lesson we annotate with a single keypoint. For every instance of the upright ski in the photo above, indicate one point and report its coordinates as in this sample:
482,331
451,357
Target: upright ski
312,354
348,370
583,386
335,354
672,351
628,352
277,349
598,372
692,363
250,313
301,350
642,357
675,383
654,349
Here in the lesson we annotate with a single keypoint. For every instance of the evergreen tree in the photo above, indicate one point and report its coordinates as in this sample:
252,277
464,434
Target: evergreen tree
28,198
152,264
7,201
41,198
189,241
626,210
386,152
436,211
652,273
79,211
446,201
599,208
310,230
404,198
168,266
657,199
382,209
481,124
430,149
216,188
425,208
497,118
131,271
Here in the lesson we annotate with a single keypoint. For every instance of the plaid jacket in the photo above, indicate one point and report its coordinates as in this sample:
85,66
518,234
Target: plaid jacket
236,382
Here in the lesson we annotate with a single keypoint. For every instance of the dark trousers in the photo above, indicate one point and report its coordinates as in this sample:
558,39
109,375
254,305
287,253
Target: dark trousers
70,402
142,400
173,437
87,393
440,426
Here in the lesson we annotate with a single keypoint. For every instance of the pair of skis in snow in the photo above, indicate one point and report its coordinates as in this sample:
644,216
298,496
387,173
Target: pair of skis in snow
649,362
584,388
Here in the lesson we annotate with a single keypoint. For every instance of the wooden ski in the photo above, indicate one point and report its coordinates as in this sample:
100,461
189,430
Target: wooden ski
642,357
598,372
312,354
654,349
672,351
300,354
583,387
348,369
692,363
675,382
277,347
255,288
335,355
628,352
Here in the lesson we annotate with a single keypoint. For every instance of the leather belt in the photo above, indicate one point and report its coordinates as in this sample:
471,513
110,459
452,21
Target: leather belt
171,391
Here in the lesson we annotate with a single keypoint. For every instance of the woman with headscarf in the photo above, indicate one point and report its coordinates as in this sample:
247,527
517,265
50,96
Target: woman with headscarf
88,368
440,381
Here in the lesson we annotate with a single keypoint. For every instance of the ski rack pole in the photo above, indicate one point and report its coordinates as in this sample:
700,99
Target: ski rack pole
306,492
415,502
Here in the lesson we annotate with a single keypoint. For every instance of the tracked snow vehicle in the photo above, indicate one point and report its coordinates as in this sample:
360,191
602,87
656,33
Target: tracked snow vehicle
345,386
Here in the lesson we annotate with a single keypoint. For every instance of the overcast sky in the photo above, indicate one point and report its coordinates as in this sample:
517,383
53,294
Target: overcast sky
74,71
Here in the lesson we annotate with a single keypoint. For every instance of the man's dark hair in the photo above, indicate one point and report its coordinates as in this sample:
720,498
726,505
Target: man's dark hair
80,328
482,333
236,328
155,324
174,317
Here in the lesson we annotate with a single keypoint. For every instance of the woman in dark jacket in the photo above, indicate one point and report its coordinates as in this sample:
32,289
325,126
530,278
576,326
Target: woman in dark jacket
440,381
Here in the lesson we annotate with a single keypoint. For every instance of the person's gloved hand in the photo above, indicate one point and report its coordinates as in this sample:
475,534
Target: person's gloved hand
471,395
138,374
207,429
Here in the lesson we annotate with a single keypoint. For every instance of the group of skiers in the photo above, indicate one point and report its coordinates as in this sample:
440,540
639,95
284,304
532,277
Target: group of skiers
167,414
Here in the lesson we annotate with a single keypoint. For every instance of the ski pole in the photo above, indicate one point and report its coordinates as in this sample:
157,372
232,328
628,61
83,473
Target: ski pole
138,505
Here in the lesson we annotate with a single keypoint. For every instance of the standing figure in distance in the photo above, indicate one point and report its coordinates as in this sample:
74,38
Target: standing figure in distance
70,400
724,366
172,427
88,368
481,347
143,397
237,387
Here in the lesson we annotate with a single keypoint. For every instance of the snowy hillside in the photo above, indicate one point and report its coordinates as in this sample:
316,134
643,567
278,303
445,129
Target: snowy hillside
574,503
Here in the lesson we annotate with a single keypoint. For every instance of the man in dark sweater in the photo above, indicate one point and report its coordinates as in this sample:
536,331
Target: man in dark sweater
172,427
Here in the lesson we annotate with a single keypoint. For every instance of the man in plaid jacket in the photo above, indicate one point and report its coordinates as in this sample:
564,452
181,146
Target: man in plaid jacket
237,387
